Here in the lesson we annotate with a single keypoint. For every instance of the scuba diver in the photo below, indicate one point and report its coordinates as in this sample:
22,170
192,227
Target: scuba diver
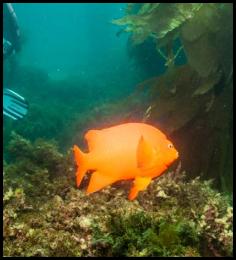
14,105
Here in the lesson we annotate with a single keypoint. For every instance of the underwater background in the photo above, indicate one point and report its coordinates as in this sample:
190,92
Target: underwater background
92,66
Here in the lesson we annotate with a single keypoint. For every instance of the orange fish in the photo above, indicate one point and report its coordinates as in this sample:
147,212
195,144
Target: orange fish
128,151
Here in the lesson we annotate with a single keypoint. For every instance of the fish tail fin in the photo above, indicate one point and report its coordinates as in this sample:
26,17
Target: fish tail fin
80,159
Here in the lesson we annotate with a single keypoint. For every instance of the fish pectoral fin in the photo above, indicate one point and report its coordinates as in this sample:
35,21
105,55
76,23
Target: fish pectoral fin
99,181
139,184
145,154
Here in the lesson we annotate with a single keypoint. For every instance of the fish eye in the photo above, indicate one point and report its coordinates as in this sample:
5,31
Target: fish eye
170,146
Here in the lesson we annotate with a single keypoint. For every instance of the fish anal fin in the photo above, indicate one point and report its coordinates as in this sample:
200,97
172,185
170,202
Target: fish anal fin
80,175
99,181
145,154
139,184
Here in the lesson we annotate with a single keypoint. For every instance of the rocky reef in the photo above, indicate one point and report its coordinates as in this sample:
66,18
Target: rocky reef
46,215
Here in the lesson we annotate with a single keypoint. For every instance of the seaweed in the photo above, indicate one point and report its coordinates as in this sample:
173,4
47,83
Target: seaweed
205,31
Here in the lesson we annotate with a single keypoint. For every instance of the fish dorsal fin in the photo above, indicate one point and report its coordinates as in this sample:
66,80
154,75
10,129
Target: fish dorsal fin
145,154
92,136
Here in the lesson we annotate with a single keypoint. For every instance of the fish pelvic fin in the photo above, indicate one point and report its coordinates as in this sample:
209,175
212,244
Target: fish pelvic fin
99,181
139,184
145,154
80,160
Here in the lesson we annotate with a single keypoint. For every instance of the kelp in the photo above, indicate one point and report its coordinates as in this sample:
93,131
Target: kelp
145,22
205,31
174,97
208,48
161,21
193,103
